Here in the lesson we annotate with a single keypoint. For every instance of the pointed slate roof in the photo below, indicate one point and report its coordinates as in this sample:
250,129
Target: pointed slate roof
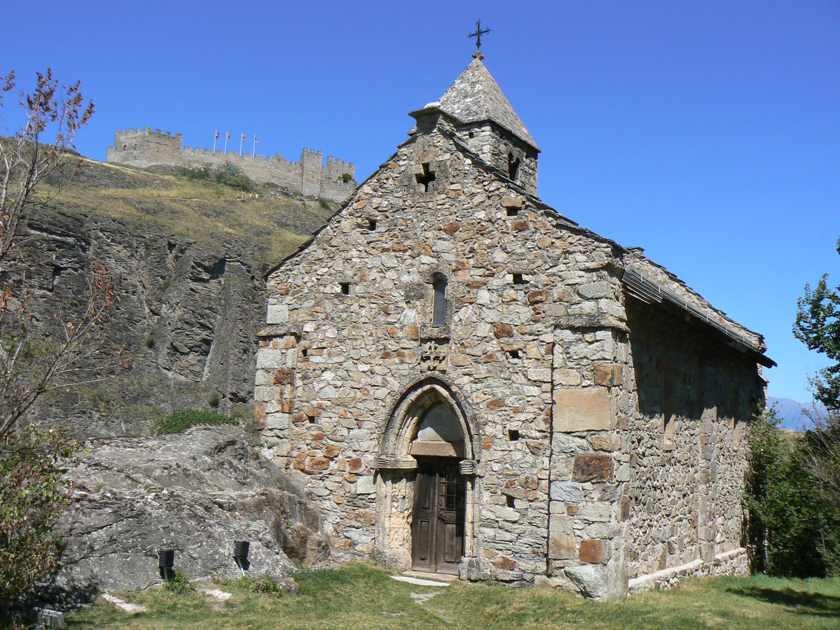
475,97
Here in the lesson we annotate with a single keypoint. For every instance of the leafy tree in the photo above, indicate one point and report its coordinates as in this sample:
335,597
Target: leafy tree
33,494
37,356
792,527
817,325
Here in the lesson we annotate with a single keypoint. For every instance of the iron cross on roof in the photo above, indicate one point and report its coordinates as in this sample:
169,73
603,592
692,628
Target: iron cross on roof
478,33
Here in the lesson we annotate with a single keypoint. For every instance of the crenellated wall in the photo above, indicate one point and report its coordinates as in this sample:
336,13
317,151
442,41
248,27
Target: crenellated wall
144,147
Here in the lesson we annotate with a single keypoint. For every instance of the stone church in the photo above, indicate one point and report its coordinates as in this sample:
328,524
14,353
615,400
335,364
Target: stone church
472,383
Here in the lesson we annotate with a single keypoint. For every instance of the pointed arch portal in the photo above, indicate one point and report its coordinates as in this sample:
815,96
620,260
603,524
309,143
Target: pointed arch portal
426,483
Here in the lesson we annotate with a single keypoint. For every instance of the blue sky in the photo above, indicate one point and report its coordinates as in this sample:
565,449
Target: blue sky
706,132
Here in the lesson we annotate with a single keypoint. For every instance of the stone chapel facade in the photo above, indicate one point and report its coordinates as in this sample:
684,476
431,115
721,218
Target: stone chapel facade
470,382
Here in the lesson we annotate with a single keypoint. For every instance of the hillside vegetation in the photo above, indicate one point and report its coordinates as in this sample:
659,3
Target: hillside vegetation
191,255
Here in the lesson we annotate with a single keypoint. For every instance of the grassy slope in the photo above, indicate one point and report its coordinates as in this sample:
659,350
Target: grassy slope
202,211
357,596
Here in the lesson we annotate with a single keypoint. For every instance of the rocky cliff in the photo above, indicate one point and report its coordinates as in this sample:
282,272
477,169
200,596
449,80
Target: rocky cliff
191,255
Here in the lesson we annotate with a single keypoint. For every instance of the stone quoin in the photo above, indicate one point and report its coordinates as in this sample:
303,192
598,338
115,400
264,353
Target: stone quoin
470,382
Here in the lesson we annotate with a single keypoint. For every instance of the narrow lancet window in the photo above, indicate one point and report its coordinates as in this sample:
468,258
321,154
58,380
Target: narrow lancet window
439,315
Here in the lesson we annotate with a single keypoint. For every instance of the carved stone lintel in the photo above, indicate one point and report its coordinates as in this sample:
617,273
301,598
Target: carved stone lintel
390,462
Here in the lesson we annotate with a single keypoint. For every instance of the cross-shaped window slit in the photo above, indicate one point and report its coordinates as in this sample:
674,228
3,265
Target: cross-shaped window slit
426,177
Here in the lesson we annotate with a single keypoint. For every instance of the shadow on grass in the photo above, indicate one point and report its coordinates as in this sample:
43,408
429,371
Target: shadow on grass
803,603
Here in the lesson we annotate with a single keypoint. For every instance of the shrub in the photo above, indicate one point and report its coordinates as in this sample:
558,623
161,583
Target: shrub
180,421
33,495
179,583
202,173
792,529
231,175
324,203
346,177
214,400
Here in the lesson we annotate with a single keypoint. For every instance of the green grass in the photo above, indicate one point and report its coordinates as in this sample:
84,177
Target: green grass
359,596
180,421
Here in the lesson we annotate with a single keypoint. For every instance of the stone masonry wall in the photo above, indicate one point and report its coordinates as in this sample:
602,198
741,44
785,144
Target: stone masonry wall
358,346
684,443
495,145
143,147
537,354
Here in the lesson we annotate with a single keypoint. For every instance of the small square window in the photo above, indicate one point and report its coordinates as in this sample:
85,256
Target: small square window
372,225
512,212
514,354
510,502
513,435
518,278
345,287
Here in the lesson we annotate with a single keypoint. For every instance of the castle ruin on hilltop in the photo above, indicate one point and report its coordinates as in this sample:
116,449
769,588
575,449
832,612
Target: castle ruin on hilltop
143,147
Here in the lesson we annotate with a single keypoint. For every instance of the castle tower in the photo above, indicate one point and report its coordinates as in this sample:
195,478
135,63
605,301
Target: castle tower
488,124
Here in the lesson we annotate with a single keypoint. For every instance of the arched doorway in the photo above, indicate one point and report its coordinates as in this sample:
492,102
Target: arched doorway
437,528
427,481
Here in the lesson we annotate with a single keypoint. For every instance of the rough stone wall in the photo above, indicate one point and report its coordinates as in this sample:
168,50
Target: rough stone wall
692,396
332,365
144,148
495,145
537,353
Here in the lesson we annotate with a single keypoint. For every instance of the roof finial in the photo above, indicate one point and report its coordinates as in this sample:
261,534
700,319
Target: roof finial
478,33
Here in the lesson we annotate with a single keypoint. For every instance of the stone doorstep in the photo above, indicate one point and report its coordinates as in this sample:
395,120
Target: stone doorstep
419,581
649,581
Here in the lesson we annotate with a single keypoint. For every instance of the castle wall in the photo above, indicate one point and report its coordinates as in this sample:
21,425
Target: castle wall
144,147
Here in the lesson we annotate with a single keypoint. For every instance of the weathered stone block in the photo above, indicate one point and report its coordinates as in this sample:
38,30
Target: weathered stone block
593,290
561,546
588,409
608,374
591,467
595,512
501,330
594,551
566,491
277,314
569,378
505,563
511,202
624,513
365,485
259,416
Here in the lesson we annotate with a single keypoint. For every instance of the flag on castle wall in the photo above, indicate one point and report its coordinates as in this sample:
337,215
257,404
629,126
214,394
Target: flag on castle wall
255,139
217,134
228,135
243,136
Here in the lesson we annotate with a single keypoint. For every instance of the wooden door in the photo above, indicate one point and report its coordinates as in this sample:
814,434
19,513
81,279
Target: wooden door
438,523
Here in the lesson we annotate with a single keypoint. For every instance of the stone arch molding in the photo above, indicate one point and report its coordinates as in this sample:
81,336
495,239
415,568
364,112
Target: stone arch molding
404,421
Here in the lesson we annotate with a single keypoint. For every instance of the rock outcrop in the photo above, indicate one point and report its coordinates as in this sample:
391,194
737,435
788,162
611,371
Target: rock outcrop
191,257
195,493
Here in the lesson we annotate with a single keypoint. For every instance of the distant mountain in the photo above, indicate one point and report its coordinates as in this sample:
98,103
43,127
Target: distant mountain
791,411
